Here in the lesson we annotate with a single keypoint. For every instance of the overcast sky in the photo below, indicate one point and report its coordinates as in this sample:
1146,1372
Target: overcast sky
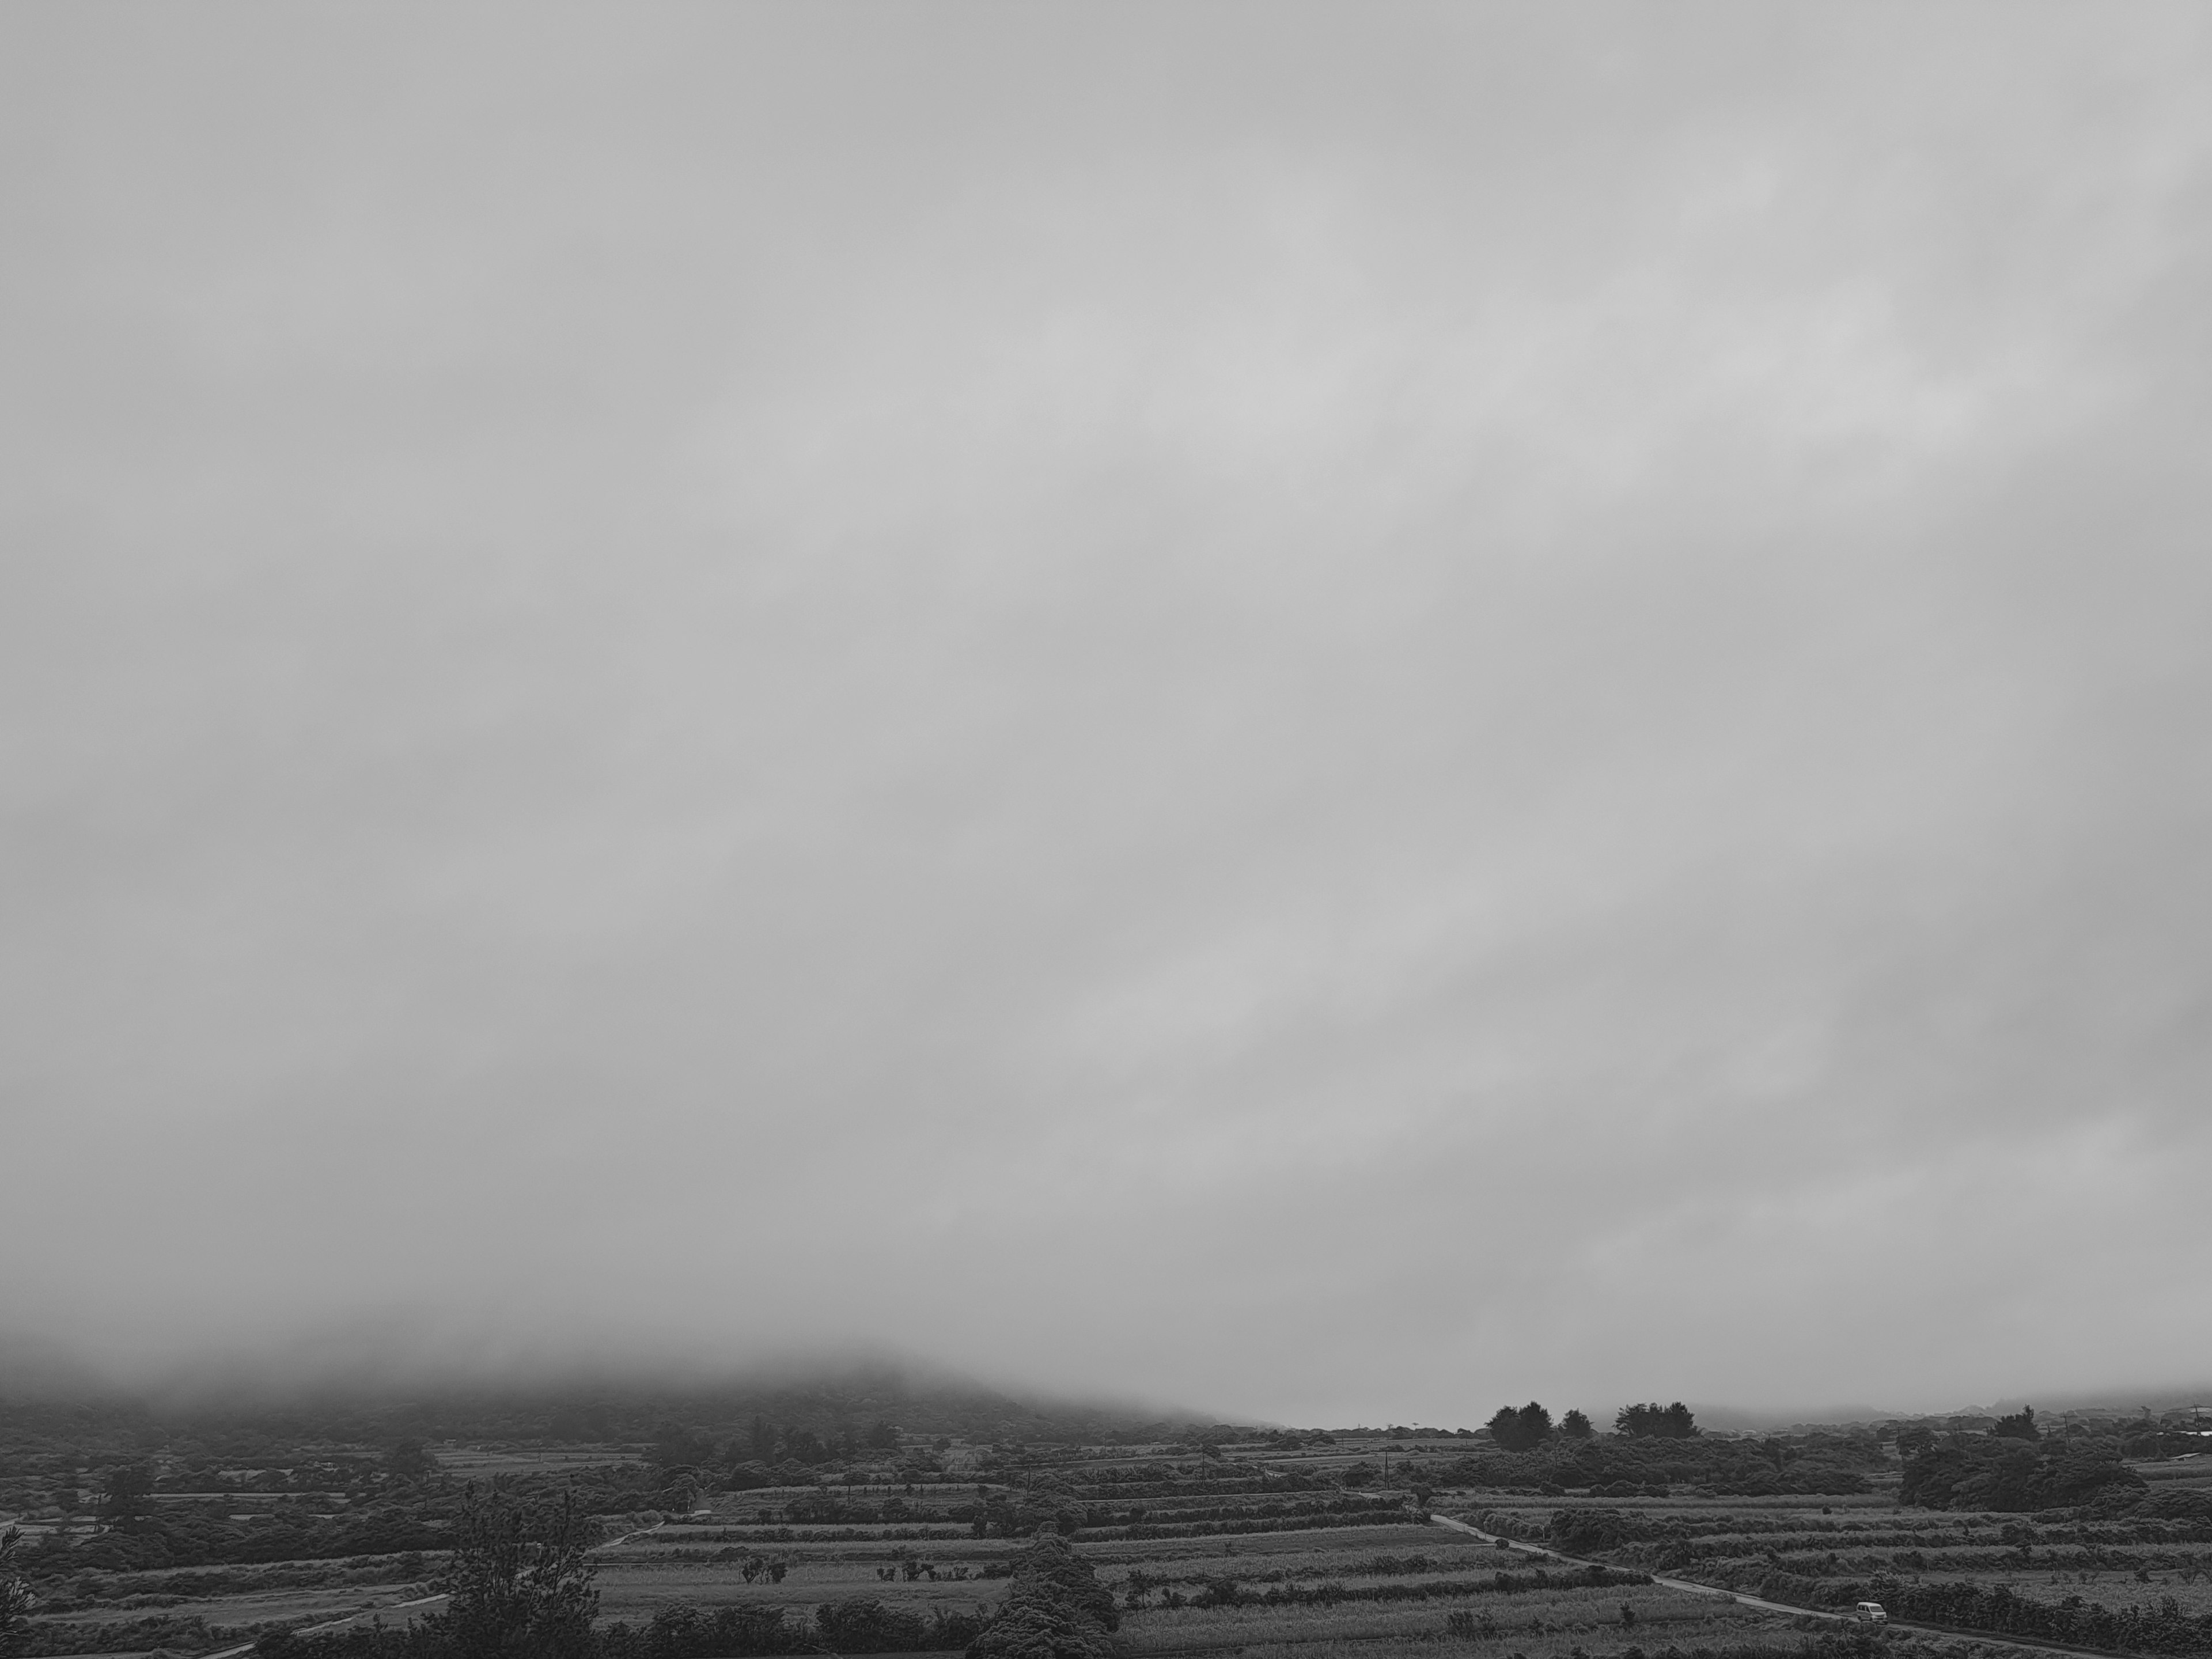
1329,713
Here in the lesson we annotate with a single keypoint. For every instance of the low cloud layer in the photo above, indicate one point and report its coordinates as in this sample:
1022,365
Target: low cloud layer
1330,714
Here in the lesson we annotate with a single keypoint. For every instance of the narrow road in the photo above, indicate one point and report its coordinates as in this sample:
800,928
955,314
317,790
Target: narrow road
2027,1644
419,1602
1684,1584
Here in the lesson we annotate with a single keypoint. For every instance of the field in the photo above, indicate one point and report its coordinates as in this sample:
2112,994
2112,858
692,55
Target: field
1236,1553
1317,1589
1265,1543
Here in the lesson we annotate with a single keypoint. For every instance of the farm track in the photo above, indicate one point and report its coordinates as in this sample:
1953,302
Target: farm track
2025,1643
418,1601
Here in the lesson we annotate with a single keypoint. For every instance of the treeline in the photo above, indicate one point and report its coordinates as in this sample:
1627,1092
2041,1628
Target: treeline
1525,1428
1000,1518
2014,1476
1626,1467
2000,1610
180,1632
190,1540
94,1591
856,1625
47,1439
1228,1591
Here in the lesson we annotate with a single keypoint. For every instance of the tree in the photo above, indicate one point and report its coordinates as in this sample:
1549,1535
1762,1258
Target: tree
1575,1424
128,1486
2020,1425
1522,1430
14,1595
521,1581
1055,1608
676,1447
1653,1420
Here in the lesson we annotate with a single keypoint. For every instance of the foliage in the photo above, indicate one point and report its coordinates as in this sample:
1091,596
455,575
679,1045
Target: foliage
1675,1422
128,1489
184,1632
1575,1424
683,1632
686,1632
2020,1425
1039,1629
2163,1629
16,1600
860,1626
1580,1532
374,1640
1617,1466
2011,1476
521,1583
1055,1608
1520,1430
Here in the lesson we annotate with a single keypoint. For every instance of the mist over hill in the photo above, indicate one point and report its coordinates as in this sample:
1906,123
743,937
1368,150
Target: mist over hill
828,1399
827,1396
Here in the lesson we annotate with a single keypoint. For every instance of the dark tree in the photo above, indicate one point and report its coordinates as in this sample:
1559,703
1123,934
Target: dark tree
1653,1420
676,1447
521,1581
1575,1424
1522,1430
1055,1608
128,1489
2020,1425
15,1595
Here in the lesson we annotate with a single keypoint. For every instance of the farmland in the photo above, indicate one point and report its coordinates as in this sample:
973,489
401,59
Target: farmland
838,1521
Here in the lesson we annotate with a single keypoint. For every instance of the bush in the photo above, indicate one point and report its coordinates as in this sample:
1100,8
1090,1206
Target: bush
1055,1608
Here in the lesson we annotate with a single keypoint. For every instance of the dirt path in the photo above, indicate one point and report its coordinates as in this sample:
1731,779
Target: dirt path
2025,1643
419,1602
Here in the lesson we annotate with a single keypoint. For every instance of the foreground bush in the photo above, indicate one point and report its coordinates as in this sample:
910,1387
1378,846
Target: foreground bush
860,1625
182,1632
2003,1611
1055,1608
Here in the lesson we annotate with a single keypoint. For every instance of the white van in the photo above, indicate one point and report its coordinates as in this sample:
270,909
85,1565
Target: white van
1870,1613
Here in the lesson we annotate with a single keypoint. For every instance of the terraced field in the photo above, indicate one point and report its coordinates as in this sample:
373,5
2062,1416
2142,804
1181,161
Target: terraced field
1234,1541
1241,1555
2138,1579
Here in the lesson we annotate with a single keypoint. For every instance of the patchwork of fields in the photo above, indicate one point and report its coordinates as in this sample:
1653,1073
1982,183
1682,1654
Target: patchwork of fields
1234,1555
1307,1546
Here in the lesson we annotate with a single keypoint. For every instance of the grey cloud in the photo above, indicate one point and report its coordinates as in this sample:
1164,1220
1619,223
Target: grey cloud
1323,716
